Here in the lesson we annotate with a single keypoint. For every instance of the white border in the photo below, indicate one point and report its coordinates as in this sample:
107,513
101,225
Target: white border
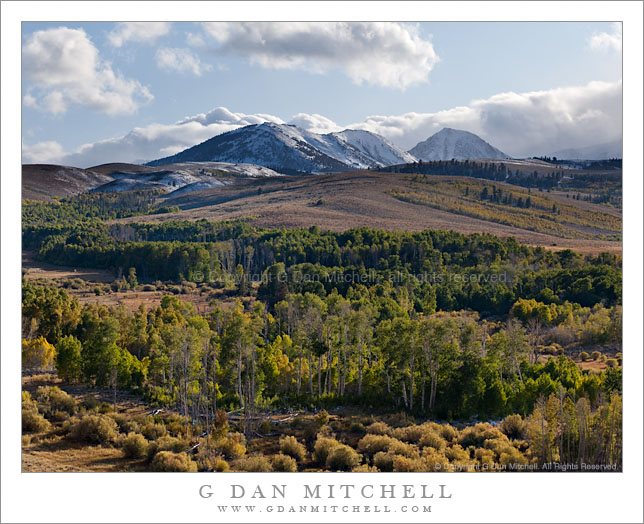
539,497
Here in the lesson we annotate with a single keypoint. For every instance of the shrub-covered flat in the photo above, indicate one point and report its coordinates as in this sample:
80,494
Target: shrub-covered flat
80,432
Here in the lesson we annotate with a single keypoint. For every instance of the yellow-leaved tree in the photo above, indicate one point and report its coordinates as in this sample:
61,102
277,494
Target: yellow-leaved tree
38,353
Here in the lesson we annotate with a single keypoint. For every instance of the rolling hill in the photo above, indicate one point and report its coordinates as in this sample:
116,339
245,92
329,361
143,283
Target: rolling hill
48,181
395,201
44,182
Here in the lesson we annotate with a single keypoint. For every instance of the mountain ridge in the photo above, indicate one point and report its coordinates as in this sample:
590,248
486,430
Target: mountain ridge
291,148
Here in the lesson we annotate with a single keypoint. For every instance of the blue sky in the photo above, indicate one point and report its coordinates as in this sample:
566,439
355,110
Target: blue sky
98,92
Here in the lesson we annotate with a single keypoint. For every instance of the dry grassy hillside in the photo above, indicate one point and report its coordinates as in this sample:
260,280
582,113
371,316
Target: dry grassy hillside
347,200
46,181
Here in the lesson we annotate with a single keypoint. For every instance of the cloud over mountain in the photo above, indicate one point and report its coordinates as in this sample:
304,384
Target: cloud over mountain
156,140
520,124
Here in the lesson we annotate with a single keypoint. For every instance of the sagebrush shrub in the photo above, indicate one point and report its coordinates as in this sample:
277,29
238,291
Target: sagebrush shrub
405,464
431,439
105,408
283,463
365,468
32,420
153,431
135,446
402,448
253,463
448,433
126,425
409,434
220,465
169,461
291,447
343,458
322,418
94,429
379,428
476,435
166,443
484,456
384,461
371,444
51,399
456,453
435,460
514,427
512,456
176,424
499,445
208,457
322,448
232,446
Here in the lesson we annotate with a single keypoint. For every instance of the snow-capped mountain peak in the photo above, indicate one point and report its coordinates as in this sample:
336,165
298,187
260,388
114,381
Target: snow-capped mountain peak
287,147
455,144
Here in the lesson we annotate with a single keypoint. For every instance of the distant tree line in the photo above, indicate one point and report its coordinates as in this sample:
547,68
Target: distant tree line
428,264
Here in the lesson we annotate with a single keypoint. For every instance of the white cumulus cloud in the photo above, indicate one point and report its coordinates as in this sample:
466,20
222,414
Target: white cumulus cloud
608,41
48,152
141,32
64,68
385,54
179,60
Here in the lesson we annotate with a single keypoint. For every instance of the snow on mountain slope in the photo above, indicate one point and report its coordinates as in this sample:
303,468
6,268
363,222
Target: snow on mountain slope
363,149
288,147
188,176
128,184
597,152
246,170
452,143
198,186
270,145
